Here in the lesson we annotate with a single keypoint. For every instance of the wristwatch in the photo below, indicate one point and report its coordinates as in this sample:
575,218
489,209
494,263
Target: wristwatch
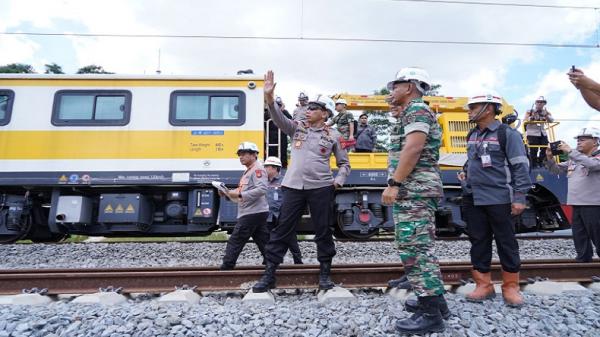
391,182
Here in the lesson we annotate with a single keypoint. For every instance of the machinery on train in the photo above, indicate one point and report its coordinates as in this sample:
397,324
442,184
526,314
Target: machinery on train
114,155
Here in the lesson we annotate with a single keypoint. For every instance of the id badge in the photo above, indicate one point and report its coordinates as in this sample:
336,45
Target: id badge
486,160
275,196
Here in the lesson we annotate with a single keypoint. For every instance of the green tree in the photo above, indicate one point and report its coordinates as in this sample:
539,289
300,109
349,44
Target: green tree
53,68
380,121
434,90
93,69
17,68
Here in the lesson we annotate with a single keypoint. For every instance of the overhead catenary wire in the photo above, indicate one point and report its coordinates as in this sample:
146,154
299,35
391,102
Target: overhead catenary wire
309,38
504,4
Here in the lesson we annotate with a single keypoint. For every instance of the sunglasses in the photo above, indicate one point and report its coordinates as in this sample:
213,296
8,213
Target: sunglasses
312,107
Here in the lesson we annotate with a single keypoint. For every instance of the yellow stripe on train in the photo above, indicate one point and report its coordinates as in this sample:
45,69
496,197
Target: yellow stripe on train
122,144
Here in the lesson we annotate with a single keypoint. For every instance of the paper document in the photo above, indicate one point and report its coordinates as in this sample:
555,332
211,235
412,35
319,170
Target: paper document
221,187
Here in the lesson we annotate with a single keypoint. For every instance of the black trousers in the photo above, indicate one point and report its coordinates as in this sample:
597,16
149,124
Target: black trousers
487,223
294,247
586,231
537,154
320,203
251,225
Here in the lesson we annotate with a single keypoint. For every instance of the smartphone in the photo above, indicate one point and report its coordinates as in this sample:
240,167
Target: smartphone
572,69
554,148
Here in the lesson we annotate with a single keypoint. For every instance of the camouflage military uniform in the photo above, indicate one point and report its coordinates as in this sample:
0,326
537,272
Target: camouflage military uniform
418,197
343,120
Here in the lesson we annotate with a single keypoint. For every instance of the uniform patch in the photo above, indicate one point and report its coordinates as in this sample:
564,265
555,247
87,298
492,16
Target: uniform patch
259,173
323,150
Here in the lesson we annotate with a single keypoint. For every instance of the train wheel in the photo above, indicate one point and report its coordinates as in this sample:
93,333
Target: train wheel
40,232
19,235
352,234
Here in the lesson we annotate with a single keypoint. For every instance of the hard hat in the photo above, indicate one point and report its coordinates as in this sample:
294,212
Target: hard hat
341,101
412,74
272,161
541,99
247,147
325,102
485,96
302,96
589,132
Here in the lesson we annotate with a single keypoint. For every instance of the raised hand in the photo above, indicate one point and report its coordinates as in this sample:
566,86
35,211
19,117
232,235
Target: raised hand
269,87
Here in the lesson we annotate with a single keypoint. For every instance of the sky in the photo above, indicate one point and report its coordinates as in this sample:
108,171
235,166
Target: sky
325,46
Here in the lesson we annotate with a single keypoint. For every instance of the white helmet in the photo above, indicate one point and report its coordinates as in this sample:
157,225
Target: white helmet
589,132
486,96
541,99
325,102
272,161
247,147
412,74
341,101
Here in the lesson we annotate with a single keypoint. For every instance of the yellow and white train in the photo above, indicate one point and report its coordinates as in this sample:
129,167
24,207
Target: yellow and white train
107,154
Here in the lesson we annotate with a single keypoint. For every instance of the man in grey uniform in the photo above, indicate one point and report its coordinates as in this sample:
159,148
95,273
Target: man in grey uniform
253,208
300,111
308,179
583,173
275,199
497,175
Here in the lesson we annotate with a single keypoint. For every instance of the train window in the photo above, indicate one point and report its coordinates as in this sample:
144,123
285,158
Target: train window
7,98
207,108
91,107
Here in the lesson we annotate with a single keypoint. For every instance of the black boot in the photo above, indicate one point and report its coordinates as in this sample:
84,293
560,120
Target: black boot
297,259
412,305
325,282
400,283
267,281
427,320
227,266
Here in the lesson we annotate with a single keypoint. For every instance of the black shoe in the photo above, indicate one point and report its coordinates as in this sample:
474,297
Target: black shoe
267,281
227,266
412,305
325,282
400,283
427,320
298,260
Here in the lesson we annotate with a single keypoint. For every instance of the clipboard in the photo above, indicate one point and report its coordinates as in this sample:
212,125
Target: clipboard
220,186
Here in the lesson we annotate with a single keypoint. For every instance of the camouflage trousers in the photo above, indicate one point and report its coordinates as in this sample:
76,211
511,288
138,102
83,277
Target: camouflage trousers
415,236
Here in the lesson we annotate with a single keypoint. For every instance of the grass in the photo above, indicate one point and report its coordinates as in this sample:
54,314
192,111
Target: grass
216,236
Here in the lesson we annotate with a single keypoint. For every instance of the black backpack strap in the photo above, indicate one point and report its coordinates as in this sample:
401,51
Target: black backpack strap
470,133
502,136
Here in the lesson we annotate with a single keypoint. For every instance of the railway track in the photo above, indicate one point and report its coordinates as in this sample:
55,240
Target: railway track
134,280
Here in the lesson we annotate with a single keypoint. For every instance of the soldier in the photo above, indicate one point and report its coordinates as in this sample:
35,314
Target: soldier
497,179
300,111
275,199
308,179
414,189
345,124
253,208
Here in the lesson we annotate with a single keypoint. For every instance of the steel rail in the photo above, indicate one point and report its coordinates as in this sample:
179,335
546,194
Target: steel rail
134,280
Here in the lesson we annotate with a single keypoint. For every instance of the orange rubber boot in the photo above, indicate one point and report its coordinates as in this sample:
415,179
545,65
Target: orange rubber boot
510,289
484,289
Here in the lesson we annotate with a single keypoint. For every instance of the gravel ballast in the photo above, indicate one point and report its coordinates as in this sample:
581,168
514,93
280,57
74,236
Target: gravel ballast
115,255
373,314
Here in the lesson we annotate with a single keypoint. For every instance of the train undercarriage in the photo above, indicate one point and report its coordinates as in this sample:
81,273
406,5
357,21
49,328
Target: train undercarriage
50,215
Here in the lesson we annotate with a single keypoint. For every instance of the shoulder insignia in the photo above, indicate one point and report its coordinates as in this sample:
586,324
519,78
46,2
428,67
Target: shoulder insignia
259,173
